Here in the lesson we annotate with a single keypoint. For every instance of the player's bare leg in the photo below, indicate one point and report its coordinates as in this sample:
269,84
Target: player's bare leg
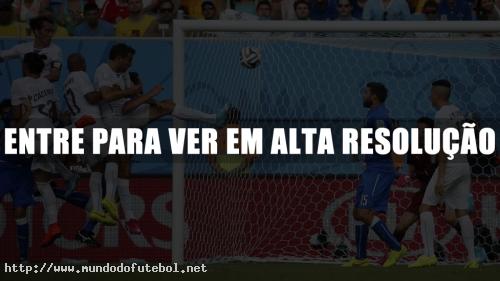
406,220
168,107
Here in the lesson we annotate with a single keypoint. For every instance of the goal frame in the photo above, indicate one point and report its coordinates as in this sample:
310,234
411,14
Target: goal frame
180,27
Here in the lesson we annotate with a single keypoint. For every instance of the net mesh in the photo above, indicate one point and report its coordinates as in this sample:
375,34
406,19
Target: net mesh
286,207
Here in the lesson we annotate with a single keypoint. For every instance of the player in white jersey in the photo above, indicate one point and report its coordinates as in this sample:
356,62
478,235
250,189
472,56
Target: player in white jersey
83,103
43,30
450,182
134,109
40,94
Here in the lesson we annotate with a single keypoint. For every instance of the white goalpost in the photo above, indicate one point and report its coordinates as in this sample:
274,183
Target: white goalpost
180,37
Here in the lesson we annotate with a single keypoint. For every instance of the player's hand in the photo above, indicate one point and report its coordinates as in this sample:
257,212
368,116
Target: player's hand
157,89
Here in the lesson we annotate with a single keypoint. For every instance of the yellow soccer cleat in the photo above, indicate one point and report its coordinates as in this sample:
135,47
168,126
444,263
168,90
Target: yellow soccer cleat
472,265
394,257
356,262
102,217
110,207
424,261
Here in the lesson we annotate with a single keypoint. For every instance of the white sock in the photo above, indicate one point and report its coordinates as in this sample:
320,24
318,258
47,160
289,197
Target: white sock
111,177
427,229
468,235
95,187
125,198
49,201
186,113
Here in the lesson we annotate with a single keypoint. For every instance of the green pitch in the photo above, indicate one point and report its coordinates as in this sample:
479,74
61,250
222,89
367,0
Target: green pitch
286,272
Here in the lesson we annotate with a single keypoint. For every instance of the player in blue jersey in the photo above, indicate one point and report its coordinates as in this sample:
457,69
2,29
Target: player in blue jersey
16,179
372,195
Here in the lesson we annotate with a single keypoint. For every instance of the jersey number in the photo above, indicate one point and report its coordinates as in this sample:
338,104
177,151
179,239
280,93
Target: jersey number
70,99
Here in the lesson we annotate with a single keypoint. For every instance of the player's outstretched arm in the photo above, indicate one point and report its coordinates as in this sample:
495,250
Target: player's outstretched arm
115,93
142,99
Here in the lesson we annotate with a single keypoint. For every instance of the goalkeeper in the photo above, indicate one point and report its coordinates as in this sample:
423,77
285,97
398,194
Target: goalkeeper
230,163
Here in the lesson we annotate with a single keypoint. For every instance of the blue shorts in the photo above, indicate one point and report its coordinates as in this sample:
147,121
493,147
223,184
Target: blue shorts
374,190
18,181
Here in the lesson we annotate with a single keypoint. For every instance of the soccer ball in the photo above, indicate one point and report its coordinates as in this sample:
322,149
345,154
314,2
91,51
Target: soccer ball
250,57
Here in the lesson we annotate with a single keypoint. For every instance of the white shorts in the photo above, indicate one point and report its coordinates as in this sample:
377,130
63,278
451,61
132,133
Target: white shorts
457,183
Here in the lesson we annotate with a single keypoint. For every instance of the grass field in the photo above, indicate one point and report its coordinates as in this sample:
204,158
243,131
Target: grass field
285,272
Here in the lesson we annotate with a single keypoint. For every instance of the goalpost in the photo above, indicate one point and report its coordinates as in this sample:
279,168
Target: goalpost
182,27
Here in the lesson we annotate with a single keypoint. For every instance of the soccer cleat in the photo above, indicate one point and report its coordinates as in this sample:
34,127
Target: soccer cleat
101,217
87,238
110,207
424,261
356,262
221,117
133,227
394,257
52,234
472,265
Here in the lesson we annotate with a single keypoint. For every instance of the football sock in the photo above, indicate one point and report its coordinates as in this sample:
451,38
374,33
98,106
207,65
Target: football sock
361,231
468,235
49,201
125,198
383,232
186,113
111,178
95,187
22,230
427,229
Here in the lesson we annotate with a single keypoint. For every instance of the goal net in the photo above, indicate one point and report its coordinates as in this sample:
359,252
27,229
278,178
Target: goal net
299,207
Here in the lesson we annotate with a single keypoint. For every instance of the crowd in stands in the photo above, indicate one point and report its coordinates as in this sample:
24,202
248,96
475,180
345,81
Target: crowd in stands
137,18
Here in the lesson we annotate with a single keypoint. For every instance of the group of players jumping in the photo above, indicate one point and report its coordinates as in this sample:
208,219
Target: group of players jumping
115,99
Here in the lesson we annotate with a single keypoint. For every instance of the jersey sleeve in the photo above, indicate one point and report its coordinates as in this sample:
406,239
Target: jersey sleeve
103,78
14,52
85,84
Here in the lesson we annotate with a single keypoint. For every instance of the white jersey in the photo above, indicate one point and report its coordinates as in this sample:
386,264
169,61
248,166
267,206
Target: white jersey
76,86
39,92
52,52
450,116
106,77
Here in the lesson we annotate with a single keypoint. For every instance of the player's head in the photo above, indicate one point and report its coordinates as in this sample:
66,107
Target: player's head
76,62
33,64
440,93
301,8
121,55
91,14
135,7
264,9
209,10
43,28
374,94
166,11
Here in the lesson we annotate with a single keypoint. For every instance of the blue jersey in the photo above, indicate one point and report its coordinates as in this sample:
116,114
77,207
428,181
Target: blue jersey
378,117
11,160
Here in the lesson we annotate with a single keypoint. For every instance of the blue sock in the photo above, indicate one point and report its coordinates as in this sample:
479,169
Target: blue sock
89,226
77,199
361,231
383,232
23,232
